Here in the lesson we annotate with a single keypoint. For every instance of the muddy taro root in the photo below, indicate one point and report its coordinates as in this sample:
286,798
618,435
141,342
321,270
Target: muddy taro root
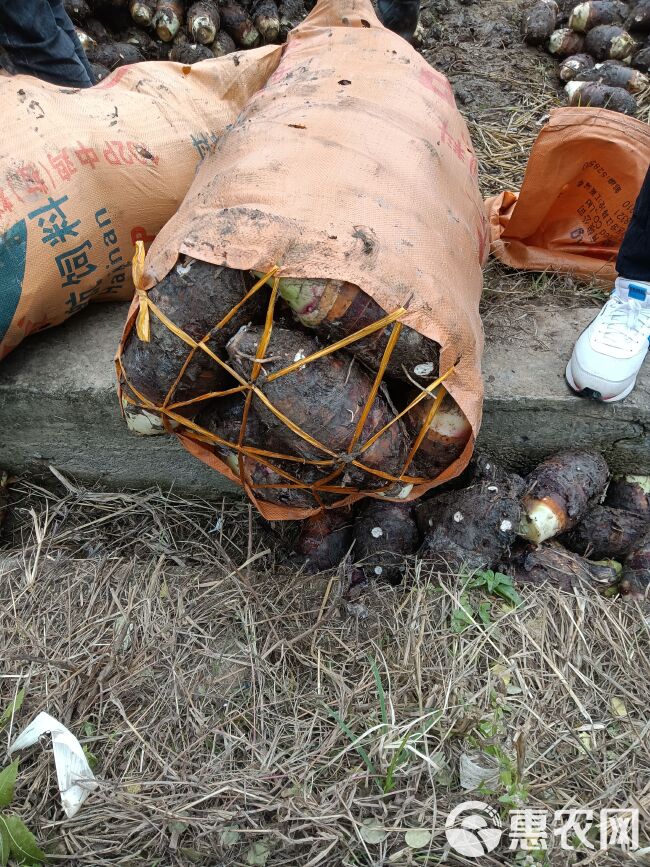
97,31
87,42
636,568
150,48
559,491
143,12
203,22
565,42
168,18
325,539
470,529
587,93
325,399
586,16
539,22
573,66
384,534
223,417
223,44
195,296
605,532
238,24
613,73
483,468
640,16
641,60
78,10
610,42
552,564
190,53
115,54
336,309
631,493
448,433
100,72
267,19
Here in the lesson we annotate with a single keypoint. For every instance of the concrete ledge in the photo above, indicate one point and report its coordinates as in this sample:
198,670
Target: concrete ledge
58,406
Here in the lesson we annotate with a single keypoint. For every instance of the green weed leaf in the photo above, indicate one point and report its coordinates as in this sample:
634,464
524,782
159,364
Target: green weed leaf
13,708
398,758
7,783
484,613
258,854
417,838
506,590
461,617
360,750
22,842
4,844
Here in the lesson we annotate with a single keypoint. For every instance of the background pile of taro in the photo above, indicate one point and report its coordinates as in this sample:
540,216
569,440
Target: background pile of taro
117,32
602,46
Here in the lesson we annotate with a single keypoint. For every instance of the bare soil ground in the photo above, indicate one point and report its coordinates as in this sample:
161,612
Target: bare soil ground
505,90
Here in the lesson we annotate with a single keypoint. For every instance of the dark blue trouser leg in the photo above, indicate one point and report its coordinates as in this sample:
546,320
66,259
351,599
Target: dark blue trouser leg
633,260
63,20
38,39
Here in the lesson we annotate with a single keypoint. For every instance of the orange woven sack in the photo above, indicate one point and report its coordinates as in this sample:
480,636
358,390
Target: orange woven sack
353,164
583,176
86,173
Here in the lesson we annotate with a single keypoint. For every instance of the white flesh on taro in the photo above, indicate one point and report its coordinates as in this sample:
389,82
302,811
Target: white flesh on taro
450,421
542,520
141,421
579,17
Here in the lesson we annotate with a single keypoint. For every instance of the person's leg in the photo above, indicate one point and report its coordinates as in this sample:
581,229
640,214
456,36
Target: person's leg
609,353
633,262
63,20
36,45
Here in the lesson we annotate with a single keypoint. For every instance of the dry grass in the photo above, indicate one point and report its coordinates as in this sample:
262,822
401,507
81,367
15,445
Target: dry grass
203,675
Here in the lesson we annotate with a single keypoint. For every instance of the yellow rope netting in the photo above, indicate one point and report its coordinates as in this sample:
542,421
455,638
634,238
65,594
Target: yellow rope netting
168,411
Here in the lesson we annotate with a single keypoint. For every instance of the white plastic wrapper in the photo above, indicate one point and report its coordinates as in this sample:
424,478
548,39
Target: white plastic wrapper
76,780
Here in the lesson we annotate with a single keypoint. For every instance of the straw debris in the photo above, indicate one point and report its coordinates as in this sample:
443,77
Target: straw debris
237,710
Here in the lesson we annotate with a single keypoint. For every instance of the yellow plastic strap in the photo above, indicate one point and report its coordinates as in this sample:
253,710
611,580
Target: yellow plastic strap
373,439
435,406
394,337
143,328
142,322
340,344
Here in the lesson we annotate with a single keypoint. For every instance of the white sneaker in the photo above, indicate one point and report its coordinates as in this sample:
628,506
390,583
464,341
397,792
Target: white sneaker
609,353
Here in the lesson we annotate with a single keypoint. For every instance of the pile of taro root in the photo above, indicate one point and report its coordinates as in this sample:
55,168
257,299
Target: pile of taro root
603,47
566,524
117,32
322,421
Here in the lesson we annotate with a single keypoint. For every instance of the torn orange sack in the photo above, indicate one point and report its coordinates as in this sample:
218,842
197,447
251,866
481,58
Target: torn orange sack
583,176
